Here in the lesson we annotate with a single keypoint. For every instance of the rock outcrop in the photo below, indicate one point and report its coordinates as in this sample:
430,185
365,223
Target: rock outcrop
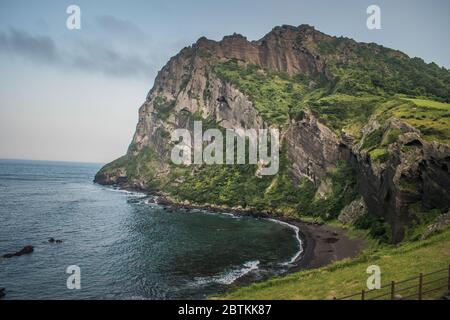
440,224
353,211
313,148
415,170
24,250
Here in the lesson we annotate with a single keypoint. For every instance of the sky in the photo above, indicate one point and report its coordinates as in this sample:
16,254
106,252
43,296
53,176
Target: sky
73,95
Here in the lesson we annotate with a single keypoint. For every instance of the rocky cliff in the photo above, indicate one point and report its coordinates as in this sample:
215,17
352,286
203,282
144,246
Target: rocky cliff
310,86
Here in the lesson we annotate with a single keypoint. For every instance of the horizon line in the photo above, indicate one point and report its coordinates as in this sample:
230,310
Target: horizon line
47,160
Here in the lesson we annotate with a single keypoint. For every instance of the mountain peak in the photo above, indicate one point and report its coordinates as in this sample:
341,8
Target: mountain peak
303,50
236,36
288,27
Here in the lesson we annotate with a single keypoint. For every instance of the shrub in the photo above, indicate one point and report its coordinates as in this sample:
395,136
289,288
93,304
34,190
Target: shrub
163,107
377,227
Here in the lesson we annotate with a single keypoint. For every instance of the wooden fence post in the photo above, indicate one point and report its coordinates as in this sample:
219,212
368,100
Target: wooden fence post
448,278
363,294
392,290
420,285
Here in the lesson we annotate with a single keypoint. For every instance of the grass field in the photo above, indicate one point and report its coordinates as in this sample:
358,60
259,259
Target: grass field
432,118
349,276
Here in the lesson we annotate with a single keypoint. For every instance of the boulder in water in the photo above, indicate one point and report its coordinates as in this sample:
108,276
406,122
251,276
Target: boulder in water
25,250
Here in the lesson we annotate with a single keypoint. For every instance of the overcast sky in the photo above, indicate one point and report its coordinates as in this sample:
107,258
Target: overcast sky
74,94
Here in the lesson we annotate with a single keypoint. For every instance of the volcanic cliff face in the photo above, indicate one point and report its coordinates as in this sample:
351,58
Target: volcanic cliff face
416,172
187,88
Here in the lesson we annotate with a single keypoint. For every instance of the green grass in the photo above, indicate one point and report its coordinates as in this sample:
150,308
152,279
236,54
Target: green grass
349,276
432,118
377,141
379,155
431,104
342,112
422,218
370,68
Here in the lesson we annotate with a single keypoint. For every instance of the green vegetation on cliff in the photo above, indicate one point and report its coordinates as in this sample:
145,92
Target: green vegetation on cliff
358,68
238,185
432,118
345,113
274,94
277,97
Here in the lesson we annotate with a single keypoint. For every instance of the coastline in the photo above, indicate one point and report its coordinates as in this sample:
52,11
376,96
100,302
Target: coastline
322,244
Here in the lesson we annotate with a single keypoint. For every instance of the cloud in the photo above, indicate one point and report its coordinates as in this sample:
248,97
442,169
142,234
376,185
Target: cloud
111,62
17,42
121,28
89,55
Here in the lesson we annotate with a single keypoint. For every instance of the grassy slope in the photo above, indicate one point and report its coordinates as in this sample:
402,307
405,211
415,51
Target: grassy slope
349,276
374,69
430,117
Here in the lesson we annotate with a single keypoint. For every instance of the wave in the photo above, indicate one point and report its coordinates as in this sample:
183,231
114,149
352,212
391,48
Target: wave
149,202
217,213
229,277
129,193
297,236
231,215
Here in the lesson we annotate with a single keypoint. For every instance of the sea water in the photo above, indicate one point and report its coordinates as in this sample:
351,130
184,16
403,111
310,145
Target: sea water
125,244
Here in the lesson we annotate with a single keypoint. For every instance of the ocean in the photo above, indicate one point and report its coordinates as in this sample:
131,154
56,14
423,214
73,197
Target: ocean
125,244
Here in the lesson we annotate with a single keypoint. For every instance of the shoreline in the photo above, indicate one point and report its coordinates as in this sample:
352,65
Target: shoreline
321,244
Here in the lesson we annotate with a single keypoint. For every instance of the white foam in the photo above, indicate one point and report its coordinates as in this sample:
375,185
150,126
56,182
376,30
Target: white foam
129,193
297,236
148,202
230,276
231,215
